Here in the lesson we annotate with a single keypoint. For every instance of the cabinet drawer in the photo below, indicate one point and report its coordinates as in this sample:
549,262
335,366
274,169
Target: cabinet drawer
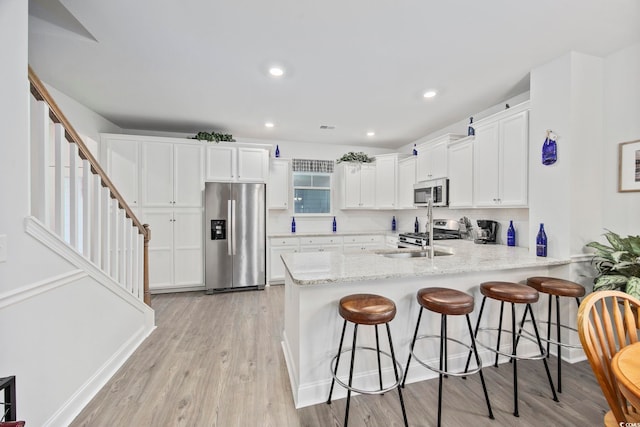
321,240
284,241
364,239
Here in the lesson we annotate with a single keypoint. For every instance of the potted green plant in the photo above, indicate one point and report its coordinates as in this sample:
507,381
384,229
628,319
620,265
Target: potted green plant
618,265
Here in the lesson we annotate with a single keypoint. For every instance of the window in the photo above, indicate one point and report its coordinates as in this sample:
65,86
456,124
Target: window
312,192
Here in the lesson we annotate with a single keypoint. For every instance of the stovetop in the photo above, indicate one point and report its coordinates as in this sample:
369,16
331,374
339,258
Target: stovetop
437,235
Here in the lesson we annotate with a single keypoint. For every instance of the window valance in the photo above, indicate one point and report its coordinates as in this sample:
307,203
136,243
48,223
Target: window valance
305,165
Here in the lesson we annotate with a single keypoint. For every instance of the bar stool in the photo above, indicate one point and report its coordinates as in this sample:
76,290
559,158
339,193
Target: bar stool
558,288
446,302
513,293
366,309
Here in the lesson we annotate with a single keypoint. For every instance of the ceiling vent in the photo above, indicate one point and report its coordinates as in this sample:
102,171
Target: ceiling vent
328,127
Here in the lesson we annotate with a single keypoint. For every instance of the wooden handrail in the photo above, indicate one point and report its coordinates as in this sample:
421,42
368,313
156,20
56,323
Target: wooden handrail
40,92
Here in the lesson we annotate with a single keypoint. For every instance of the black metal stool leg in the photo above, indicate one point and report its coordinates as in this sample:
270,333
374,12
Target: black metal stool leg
544,360
335,371
559,347
500,333
443,329
446,347
413,343
353,356
395,371
475,352
549,326
524,318
515,361
378,353
475,334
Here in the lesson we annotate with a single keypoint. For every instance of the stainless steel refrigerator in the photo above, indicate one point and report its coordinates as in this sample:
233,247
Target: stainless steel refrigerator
235,248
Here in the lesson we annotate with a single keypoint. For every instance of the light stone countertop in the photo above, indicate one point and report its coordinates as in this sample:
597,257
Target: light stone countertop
337,233
314,268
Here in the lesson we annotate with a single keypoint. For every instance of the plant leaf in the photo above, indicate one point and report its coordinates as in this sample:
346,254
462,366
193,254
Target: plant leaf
617,242
618,255
634,242
609,282
600,247
633,287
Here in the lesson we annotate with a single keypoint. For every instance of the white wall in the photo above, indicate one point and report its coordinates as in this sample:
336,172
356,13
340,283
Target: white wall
62,332
620,211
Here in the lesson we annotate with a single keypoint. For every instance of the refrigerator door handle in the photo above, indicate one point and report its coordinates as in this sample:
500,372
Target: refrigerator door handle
229,235
233,226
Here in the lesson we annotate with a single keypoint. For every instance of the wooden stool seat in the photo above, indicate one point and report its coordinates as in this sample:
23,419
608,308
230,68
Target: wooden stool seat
509,292
367,309
445,301
555,286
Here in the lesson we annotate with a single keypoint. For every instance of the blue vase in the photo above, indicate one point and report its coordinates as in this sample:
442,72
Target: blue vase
549,151
541,242
277,151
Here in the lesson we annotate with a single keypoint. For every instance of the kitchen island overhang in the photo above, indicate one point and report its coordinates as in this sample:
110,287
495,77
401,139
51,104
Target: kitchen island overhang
315,282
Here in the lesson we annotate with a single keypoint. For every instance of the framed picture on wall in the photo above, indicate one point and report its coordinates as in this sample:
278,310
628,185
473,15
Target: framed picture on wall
629,166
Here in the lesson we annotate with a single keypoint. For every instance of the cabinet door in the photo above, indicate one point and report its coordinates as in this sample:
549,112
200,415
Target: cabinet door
351,178
438,160
221,163
422,164
187,247
486,165
279,184
367,186
385,186
188,182
276,266
160,247
321,248
514,137
406,180
157,174
253,164
122,168
461,175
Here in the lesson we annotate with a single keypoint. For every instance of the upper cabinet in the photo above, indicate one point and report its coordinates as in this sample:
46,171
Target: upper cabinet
358,185
432,158
278,186
500,158
387,181
460,158
121,157
233,163
171,174
406,180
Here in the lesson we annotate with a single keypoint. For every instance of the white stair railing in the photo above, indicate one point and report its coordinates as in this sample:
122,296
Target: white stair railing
73,197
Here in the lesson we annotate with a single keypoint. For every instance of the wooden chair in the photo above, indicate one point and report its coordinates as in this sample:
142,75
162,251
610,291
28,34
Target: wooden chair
607,322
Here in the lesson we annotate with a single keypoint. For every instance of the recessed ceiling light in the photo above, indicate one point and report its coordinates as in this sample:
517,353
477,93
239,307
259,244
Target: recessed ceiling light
371,133
276,71
430,94
268,124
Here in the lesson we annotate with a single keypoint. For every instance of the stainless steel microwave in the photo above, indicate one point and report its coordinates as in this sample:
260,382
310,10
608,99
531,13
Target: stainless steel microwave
436,189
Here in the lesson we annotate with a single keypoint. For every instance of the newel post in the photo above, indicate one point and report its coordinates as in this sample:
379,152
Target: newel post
147,237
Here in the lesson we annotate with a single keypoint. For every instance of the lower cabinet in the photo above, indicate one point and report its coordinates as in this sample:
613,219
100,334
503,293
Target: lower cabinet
363,243
321,244
175,249
277,247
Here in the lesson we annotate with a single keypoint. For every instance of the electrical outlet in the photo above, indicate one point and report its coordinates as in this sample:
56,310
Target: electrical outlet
3,247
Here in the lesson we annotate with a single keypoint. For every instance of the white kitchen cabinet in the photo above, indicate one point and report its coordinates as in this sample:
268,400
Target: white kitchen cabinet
278,186
171,175
175,249
121,157
387,181
321,244
237,163
460,158
362,243
358,185
406,180
432,158
277,247
500,159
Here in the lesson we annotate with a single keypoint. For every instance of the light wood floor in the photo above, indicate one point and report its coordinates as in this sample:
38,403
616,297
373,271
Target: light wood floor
217,361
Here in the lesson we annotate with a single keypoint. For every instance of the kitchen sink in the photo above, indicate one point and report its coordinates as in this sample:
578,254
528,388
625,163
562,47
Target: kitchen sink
420,254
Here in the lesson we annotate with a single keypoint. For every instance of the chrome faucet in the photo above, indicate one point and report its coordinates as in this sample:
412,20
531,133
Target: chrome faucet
430,226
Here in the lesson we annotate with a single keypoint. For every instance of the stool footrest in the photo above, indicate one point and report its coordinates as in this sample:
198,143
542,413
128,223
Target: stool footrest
540,356
361,391
552,341
453,374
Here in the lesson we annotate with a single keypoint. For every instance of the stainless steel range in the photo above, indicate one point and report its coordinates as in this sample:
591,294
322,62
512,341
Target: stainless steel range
443,229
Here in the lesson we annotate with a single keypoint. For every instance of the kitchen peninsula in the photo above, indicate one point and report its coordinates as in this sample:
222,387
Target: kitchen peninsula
315,282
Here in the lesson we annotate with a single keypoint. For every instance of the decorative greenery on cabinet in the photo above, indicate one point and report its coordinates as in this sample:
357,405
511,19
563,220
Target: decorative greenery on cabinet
214,137
358,157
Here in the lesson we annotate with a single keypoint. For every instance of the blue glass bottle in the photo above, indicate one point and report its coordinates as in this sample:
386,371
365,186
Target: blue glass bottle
541,242
293,224
511,235
335,225
416,226
277,151
393,223
415,150
549,151
470,130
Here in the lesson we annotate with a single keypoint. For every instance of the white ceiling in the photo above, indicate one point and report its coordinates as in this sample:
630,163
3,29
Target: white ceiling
201,65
